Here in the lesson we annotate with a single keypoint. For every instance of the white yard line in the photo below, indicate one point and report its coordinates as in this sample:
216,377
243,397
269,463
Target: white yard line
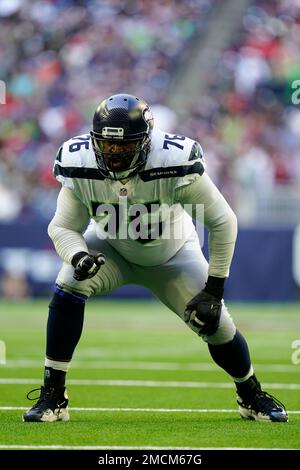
148,383
145,365
151,410
61,447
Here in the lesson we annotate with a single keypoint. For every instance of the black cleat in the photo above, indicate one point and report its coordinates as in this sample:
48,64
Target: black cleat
52,405
258,405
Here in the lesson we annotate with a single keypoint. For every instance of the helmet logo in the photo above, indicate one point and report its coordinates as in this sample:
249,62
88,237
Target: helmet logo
116,132
147,115
134,114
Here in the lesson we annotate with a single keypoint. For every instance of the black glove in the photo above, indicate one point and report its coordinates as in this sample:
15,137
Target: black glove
203,312
86,265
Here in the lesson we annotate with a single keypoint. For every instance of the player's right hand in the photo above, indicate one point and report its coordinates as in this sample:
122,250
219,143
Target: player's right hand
86,265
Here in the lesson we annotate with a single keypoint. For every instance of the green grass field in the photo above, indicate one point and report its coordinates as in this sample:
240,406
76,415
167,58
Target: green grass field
142,379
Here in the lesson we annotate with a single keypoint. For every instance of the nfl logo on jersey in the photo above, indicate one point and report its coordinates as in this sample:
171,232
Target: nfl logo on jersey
123,192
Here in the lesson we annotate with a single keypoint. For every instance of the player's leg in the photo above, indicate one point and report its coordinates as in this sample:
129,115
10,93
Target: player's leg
175,284
64,327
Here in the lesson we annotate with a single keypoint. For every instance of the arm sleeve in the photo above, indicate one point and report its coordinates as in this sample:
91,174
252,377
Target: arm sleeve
68,224
219,219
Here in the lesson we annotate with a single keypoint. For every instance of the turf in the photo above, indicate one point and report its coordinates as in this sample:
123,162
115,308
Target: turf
143,342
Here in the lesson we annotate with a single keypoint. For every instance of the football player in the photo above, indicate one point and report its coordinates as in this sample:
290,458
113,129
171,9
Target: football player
135,183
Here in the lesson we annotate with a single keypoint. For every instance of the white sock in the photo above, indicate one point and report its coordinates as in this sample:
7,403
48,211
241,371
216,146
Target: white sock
243,379
58,365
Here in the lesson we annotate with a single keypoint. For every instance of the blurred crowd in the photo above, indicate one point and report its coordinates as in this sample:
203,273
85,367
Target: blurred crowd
59,58
249,122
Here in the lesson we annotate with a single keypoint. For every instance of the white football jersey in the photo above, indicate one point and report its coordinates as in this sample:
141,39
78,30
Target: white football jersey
140,216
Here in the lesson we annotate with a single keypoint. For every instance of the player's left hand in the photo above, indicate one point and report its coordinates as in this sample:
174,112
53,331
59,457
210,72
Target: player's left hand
203,313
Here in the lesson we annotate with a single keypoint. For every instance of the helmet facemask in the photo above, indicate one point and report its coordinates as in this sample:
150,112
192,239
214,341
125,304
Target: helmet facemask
120,159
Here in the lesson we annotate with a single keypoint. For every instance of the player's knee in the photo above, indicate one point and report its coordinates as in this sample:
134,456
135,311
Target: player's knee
225,331
215,330
203,326
66,282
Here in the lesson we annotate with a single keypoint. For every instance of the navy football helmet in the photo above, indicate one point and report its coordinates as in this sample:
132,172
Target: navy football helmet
121,135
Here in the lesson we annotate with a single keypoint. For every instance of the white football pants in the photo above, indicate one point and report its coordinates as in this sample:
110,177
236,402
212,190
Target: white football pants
174,283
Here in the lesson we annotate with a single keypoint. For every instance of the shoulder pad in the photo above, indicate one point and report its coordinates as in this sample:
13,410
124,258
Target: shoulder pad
172,156
75,159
